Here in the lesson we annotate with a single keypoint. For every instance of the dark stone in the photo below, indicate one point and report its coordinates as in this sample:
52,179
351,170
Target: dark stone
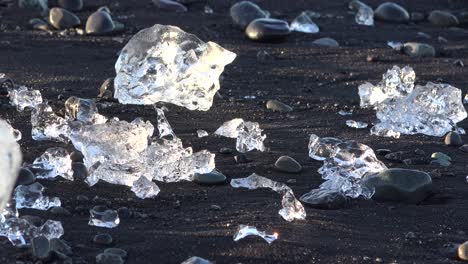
106,258
40,247
442,18
60,211
169,5
226,150
391,12
326,42
196,260
33,219
107,89
267,29
82,198
214,177
116,251
39,24
324,199
244,12
103,239
79,170
288,164
241,158
278,106
414,49
25,177
76,156
72,5
453,139
99,23
63,19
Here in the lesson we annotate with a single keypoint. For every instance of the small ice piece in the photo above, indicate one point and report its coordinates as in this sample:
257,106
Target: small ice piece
196,260
164,127
303,23
292,208
208,10
30,196
229,128
20,232
250,97
202,133
84,110
395,45
14,132
23,98
101,216
345,113
249,137
46,125
144,188
384,132
356,124
244,231
53,163
365,16
465,100
10,162
165,64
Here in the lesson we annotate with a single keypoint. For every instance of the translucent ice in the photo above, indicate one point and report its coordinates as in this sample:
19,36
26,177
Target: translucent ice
164,127
303,23
244,231
84,110
202,133
196,260
144,188
249,137
20,232
345,113
229,128
46,125
356,124
30,196
395,45
365,16
101,216
292,208
53,163
165,64
23,98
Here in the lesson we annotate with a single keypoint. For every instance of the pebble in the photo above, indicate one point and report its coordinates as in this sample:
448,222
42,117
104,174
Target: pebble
79,170
76,156
442,18
40,247
463,251
63,19
103,239
107,89
263,56
440,159
391,12
225,150
72,5
288,164
116,251
169,5
267,29
244,12
400,185
326,42
25,177
106,258
60,211
277,106
324,199
453,139
37,23
99,23
213,177
241,158
414,49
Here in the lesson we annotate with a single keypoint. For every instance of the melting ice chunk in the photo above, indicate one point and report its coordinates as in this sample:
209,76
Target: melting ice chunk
356,124
202,133
53,163
165,64
30,196
46,125
84,110
395,45
303,23
244,231
101,216
292,208
23,98
249,135
345,113
20,232
144,188
229,128
365,16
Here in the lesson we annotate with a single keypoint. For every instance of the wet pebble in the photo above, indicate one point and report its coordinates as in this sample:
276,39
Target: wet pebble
244,12
106,258
326,42
288,164
453,139
442,18
116,251
76,156
414,49
63,19
25,177
102,239
278,106
391,12
37,23
214,177
241,158
225,150
324,199
82,198
267,29
72,5
99,23
40,247
169,5
79,171
464,148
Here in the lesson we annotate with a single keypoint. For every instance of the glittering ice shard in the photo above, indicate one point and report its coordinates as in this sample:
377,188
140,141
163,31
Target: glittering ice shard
144,188
53,163
356,124
165,64
46,125
23,98
83,110
292,208
244,231
202,133
249,137
101,216
229,128
365,16
20,232
30,196
303,23
395,45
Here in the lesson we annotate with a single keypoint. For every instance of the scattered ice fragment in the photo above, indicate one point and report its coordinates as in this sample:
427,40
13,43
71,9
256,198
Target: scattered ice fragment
250,97
229,128
14,132
30,196
365,16
54,162
46,125
196,260
303,23
202,133
20,232
244,231
292,208
164,127
84,110
465,100
345,113
395,45
144,188
466,178
165,64
345,163
384,132
208,10
101,216
23,98
249,137
356,124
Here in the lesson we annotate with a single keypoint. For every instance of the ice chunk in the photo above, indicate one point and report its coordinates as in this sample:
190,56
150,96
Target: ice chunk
229,128
165,64
345,113
196,260
46,125
365,16
84,110
303,23
244,231
292,208
164,127
14,132
207,10
53,163
395,45
10,162
144,188
465,99
101,216
356,124
249,137
30,196
202,133
23,98
345,163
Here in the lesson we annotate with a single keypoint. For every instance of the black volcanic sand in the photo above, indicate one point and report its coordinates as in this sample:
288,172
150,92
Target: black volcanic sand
317,82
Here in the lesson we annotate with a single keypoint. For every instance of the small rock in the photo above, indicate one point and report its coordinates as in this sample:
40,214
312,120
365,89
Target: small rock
288,164
383,152
278,106
106,258
419,152
397,156
107,89
267,29
40,247
463,251
25,177
326,42
324,199
63,19
99,23
169,5
417,17
226,150
459,63
464,148
440,155
79,170
60,211
453,139
241,158
39,5
414,49
72,5
214,177
76,156
244,12
442,18
116,251
391,12
102,239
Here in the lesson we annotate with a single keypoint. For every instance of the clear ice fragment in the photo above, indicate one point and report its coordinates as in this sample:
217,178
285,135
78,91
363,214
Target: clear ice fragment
202,133
249,137
365,16
229,128
144,188
244,231
30,196
164,127
303,23
83,110
20,232
53,163
356,124
292,208
101,216
165,64
345,113
395,45
23,98
46,125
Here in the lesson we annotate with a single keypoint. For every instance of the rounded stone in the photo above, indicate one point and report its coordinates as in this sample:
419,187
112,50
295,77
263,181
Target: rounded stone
214,177
326,42
399,185
40,247
25,177
103,239
355,5
453,139
278,106
463,251
225,150
391,12
244,12
124,212
106,91
267,29
170,5
99,23
76,156
324,199
116,251
106,258
414,49
442,18
288,164
79,170
63,19
73,5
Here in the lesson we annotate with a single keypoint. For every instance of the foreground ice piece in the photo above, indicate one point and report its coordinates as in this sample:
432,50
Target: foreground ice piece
144,188
229,128
84,110
356,124
10,162
345,163
30,196
101,216
53,163
292,208
23,98
165,64
46,125
249,135
244,231
20,232
303,23
365,16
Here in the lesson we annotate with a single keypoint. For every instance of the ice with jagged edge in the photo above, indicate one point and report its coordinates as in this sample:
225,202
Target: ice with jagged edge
145,188
31,196
248,134
14,132
202,133
46,125
292,208
102,216
52,163
229,128
365,16
356,124
23,98
164,127
165,64
194,259
10,162
84,110
245,230
345,163
20,232
303,23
